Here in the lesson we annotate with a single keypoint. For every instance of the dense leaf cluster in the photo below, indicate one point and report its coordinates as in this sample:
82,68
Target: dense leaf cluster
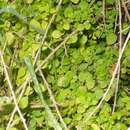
78,73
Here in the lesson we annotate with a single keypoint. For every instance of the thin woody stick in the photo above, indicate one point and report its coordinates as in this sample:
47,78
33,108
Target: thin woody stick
53,99
120,46
125,9
15,109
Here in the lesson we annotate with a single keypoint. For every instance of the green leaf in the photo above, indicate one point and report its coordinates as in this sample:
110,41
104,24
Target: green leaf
66,25
42,88
34,24
98,93
73,39
21,72
126,28
82,76
56,34
87,26
87,78
95,127
67,120
90,83
63,93
77,116
28,1
9,9
29,91
69,76
81,109
44,25
110,1
23,102
69,12
10,37
111,38
21,76
83,40
64,81
75,1
60,81
13,128
35,47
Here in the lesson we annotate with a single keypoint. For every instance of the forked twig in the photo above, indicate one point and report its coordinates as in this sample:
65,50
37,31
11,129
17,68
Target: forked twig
19,98
11,89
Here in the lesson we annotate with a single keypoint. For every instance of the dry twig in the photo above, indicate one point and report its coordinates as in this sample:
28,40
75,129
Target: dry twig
15,109
103,12
126,10
120,46
53,99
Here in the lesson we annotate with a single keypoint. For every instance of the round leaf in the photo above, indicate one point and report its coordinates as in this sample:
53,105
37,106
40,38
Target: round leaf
56,34
75,1
35,24
28,1
23,102
111,38
83,40
10,37
95,127
73,39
